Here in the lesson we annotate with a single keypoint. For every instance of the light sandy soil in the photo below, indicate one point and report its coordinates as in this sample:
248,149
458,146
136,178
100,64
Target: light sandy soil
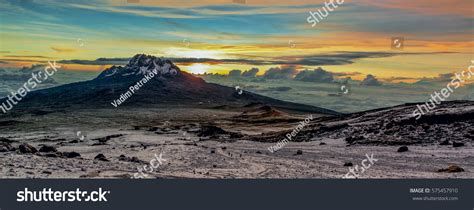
190,156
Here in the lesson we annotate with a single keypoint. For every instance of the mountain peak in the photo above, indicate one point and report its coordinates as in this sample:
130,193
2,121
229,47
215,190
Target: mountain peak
142,64
143,60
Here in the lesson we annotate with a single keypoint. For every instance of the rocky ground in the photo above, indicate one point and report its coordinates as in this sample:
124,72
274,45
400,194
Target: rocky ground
229,142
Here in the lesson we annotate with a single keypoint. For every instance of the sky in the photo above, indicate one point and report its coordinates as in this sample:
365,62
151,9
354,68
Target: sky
222,35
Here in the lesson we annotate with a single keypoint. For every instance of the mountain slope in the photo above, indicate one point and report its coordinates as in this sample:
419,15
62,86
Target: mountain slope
450,122
169,86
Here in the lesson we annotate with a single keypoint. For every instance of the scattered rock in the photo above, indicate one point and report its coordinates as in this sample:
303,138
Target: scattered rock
452,169
213,151
348,164
322,143
99,144
46,149
352,139
123,158
235,135
5,140
210,130
101,157
258,152
445,142
75,141
458,144
299,152
46,172
71,154
153,129
130,159
5,147
135,159
223,148
107,138
26,148
403,149
214,166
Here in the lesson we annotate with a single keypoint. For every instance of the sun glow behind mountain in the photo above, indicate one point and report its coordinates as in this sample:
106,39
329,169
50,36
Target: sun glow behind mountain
197,68
193,53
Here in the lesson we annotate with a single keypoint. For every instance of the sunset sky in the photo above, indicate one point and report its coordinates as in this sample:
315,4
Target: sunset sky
224,35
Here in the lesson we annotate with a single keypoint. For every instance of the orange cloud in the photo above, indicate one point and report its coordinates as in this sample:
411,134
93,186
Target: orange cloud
63,50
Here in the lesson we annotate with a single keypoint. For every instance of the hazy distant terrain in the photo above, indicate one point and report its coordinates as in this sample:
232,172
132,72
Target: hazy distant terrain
359,98
12,79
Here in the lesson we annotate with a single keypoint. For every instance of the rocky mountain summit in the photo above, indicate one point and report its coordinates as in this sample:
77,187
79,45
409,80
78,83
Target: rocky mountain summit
142,64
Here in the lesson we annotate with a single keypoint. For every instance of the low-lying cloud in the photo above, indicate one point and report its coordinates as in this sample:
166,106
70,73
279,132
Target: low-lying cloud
280,73
370,80
251,73
235,73
443,78
317,75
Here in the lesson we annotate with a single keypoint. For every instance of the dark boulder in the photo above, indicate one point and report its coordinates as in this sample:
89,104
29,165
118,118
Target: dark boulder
71,154
403,149
101,157
452,169
458,144
445,142
46,148
26,148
